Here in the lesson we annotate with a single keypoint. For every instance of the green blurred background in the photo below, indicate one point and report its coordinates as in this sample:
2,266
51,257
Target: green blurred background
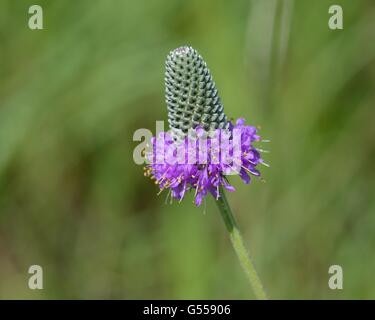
73,201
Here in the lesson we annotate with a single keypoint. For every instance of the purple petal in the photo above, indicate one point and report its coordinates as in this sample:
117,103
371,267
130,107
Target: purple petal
244,176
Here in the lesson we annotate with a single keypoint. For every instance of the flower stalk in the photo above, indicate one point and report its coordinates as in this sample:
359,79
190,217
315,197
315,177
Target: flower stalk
196,118
239,246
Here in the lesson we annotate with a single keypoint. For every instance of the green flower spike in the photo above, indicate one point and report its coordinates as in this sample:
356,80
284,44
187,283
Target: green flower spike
191,94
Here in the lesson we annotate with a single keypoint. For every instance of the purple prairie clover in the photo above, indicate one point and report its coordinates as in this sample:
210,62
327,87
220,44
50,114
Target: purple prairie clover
213,159
203,147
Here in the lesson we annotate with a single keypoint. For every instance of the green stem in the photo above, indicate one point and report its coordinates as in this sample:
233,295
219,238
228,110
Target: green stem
239,246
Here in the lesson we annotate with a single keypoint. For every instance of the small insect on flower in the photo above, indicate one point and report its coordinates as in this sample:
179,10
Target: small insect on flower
202,147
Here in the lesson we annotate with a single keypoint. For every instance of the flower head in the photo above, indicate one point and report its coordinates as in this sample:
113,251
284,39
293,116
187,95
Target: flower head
203,147
190,93
202,163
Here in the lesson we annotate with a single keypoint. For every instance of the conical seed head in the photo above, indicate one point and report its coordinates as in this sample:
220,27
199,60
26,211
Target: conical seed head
191,95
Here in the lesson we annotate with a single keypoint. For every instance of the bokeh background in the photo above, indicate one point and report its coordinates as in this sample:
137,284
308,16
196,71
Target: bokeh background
73,201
